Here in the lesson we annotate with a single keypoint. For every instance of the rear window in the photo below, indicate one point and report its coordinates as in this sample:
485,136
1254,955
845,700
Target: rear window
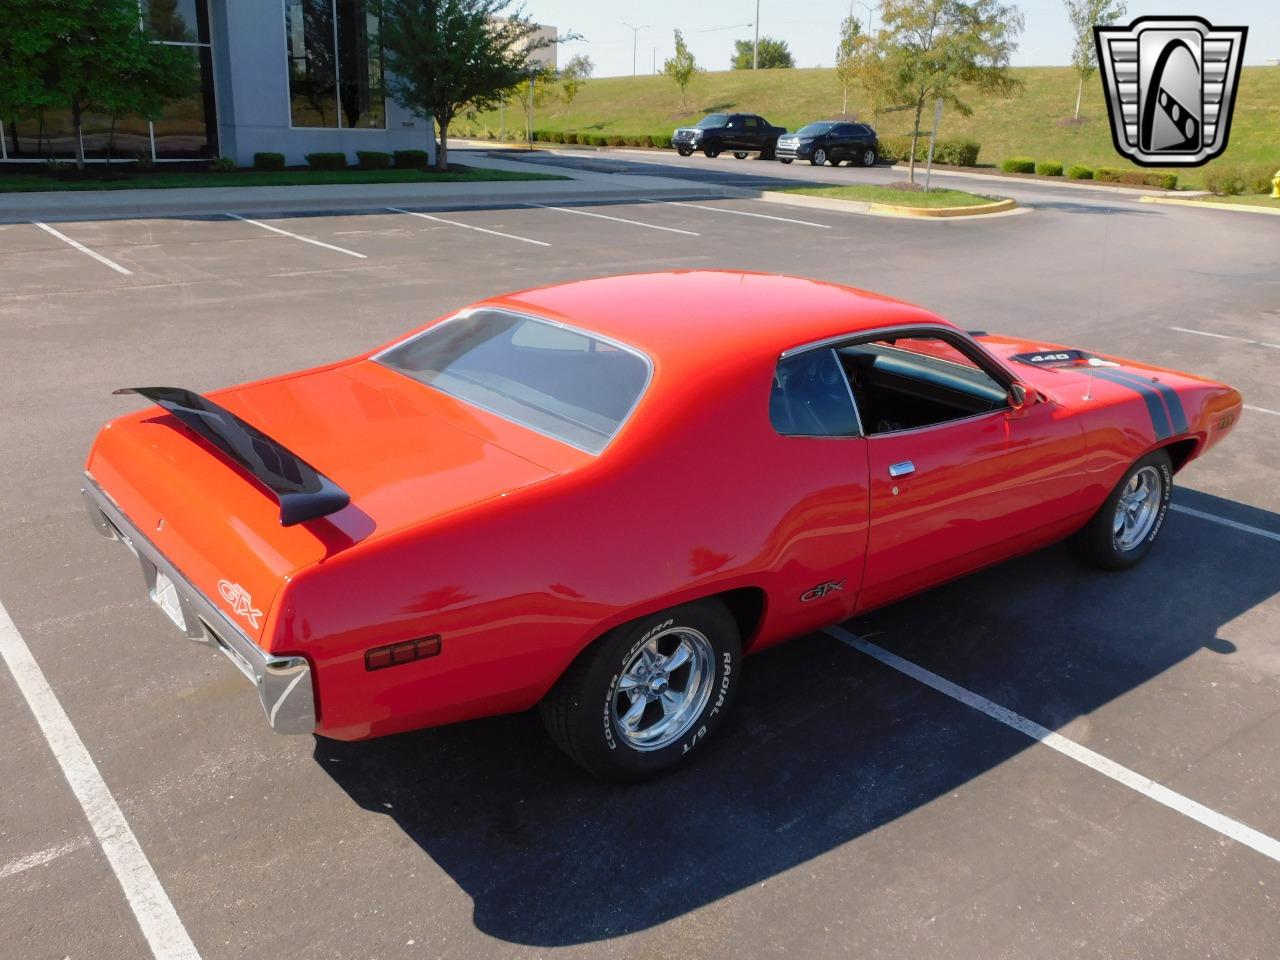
560,381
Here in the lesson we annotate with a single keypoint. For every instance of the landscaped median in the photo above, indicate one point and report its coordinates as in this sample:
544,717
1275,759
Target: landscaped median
128,178
892,201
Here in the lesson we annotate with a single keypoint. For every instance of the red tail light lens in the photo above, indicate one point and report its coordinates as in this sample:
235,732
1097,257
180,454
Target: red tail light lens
395,654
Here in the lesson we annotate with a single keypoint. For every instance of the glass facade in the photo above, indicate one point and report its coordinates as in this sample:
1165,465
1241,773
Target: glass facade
186,130
335,64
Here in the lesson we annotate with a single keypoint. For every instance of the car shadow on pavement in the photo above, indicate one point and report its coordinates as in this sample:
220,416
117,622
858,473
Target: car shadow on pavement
825,745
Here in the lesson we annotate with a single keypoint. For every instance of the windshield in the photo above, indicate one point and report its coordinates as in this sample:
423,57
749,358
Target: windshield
814,129
713,120
562,382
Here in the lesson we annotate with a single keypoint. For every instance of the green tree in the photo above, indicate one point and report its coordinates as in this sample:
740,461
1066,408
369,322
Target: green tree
935,48
88,56
871,69
847,58
573,77
1084,15
533,92
442,56
681,68
773,53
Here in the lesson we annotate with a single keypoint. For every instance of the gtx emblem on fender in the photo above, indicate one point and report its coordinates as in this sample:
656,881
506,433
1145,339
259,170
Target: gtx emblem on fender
240,601
1170,84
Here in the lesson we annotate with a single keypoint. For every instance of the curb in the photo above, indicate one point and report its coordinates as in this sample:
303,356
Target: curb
1063,184
89,205
1210,205
1000,208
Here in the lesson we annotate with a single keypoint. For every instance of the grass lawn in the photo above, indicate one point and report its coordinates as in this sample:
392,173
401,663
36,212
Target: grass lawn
1260,200
898,198
161,180
1034,123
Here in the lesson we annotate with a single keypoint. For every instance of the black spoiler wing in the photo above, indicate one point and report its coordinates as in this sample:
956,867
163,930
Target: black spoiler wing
303,492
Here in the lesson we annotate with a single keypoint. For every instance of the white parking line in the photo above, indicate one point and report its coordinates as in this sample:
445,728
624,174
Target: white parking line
41,857
1223,336
1274,413
286,233
1233,524
160,923
743,213
1234,829
455,223
83,249
588,213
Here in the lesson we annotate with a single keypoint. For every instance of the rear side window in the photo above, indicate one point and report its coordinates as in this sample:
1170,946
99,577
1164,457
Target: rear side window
560,381
811,397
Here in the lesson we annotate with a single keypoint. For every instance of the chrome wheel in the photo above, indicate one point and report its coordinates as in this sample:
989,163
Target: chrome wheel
869,158
819,157
1137,509
663,689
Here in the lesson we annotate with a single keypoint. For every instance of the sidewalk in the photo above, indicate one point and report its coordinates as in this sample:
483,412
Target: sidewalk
580,186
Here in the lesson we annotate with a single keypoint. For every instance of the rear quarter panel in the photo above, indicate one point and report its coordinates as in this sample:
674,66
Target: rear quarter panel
688,503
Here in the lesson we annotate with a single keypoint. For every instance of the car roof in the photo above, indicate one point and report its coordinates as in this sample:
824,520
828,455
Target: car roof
690,315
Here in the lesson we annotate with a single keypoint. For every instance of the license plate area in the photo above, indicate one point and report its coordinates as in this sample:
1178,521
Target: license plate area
164,594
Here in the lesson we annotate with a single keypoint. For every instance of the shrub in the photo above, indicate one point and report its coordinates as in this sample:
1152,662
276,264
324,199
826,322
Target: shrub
1080,172
268,161
327,161
1137,178
373,160
1257,177
599,140
143,162
557,136
1224,180
1019,165
222,164
410,159
1049,169
957,153
662,140
613,140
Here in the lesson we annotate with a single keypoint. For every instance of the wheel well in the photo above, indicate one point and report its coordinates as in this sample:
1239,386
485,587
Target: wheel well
747,606
1180,452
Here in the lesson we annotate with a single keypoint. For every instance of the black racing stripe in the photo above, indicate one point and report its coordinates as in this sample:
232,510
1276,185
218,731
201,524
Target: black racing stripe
1155,407
1171,399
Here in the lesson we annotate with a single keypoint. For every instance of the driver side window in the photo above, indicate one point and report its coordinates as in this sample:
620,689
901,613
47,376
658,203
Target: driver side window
903,383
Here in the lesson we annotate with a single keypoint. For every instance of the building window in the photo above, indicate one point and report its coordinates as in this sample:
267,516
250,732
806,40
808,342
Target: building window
335,64
186,129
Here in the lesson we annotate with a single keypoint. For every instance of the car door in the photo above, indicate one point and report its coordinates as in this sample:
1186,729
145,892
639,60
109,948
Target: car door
754,130
733,133
841,142
951,497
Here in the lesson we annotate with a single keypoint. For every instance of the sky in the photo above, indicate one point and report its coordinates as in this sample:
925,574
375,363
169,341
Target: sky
810,28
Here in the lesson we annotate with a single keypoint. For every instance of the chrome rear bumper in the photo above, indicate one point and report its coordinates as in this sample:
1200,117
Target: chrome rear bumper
284,683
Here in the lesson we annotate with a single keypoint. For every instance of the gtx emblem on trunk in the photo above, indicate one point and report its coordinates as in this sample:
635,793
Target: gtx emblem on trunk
1170,84
240,601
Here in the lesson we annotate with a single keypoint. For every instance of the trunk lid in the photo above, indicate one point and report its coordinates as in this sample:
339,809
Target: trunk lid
403,452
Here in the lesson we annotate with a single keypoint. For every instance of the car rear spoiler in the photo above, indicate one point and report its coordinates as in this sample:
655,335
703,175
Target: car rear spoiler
302,491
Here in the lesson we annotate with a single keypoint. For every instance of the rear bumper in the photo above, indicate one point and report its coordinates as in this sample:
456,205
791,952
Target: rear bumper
283,682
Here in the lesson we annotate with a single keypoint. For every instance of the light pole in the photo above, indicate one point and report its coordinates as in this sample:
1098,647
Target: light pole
755,49
635,32
867,7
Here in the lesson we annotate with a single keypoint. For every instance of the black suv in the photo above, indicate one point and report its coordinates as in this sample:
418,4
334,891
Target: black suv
830,141
741,133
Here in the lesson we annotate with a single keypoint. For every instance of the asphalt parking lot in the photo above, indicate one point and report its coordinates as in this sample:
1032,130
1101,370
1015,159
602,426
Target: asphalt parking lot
849,810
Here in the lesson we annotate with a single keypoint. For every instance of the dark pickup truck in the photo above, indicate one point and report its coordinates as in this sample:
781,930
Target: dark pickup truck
739,133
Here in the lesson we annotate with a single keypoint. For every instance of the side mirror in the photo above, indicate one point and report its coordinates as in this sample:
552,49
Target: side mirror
1017,396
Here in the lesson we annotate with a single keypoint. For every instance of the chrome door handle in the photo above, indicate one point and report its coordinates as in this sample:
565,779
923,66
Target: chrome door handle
902,469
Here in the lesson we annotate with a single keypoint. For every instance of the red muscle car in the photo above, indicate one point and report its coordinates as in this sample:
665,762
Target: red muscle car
579,497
